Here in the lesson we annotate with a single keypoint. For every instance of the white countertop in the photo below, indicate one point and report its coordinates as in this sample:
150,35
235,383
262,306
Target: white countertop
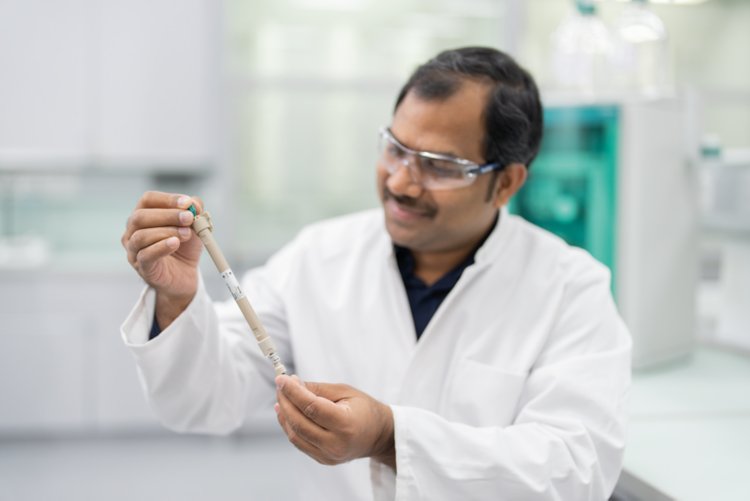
690,427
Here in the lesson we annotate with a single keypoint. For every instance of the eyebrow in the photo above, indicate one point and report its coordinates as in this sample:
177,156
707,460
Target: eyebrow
442,153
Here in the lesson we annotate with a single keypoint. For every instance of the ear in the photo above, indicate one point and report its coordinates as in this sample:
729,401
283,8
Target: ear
511,180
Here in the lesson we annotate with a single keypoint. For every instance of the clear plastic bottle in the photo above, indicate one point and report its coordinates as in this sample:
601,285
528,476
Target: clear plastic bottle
583,50
644,51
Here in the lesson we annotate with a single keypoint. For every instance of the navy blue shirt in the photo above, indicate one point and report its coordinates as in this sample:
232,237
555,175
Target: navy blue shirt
424,299
155,329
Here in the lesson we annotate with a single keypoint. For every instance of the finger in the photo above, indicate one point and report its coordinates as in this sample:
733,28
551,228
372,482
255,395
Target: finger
155,218
146,258
146,237
332,392
301,425
299,442
198,202
319,409
160,199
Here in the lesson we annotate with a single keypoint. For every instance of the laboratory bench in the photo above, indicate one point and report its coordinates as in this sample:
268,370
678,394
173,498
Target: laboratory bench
63,364
689,433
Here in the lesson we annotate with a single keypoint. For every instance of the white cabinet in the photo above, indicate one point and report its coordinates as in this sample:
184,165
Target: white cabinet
46,94
657,237
63,366
105,82
156,80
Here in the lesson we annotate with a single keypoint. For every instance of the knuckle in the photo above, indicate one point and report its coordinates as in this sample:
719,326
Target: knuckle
139,253
130,254
135,240
337,452
143,238
311,410
292,437
136,218
294,429
142,259
346,432
133,259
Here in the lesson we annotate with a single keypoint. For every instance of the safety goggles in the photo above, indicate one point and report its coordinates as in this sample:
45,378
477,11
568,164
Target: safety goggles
434,171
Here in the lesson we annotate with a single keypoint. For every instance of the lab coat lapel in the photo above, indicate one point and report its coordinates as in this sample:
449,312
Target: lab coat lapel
430,359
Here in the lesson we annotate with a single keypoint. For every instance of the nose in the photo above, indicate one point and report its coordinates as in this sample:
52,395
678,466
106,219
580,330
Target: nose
405,179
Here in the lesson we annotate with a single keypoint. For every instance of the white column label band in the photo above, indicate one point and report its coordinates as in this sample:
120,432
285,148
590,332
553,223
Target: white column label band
232,284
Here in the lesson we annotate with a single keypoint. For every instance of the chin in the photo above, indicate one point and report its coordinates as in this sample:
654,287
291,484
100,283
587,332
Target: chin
404,237
399,235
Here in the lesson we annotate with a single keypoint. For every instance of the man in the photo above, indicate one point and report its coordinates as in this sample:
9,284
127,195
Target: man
459,352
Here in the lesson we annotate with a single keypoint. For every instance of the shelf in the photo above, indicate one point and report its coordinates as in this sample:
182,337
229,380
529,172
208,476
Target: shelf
43,165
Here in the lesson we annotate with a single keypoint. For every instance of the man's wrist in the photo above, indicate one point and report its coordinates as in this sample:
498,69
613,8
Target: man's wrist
168,308
385,451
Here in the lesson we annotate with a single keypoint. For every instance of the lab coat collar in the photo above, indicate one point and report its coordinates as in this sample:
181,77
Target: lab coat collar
497,241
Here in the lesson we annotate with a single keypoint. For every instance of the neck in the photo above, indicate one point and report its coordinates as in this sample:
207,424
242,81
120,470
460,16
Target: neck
430,266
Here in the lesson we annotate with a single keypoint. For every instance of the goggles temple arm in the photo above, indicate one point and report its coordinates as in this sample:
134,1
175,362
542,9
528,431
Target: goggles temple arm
483,169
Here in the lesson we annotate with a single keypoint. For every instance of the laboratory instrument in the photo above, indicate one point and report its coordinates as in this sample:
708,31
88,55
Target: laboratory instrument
612,178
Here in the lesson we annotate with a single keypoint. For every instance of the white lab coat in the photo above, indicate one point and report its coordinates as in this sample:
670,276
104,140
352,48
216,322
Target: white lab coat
515,391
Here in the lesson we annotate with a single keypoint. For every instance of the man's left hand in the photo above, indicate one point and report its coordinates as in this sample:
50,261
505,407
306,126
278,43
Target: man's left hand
334,423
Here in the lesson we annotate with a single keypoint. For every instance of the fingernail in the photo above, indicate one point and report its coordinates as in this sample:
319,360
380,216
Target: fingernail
173,242
183,201
276,407
186,217
279,383
184,232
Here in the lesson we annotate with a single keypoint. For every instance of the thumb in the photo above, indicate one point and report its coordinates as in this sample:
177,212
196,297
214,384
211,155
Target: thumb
333,392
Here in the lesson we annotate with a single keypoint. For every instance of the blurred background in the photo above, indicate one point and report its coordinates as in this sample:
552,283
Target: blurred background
269,111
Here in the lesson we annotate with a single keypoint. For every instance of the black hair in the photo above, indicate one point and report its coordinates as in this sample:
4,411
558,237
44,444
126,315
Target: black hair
513,115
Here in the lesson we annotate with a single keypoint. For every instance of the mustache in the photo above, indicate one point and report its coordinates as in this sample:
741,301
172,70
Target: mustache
414,204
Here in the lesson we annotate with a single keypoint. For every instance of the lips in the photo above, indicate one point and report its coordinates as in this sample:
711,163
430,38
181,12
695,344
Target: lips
401,213
405,209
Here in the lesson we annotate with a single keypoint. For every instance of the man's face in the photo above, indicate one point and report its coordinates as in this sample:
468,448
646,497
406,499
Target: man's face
438,220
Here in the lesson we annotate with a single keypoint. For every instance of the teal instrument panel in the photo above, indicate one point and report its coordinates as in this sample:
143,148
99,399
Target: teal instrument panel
572,185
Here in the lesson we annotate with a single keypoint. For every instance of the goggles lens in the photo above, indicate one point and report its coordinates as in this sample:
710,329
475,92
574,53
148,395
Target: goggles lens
433,170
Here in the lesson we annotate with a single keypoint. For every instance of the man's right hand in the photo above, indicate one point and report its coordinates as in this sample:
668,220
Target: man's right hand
164,251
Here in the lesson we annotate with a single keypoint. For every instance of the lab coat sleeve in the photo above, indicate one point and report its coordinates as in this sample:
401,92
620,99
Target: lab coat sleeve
205,373
567,439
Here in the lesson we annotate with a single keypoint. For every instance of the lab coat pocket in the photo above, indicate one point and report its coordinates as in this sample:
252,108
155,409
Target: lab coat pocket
482,395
